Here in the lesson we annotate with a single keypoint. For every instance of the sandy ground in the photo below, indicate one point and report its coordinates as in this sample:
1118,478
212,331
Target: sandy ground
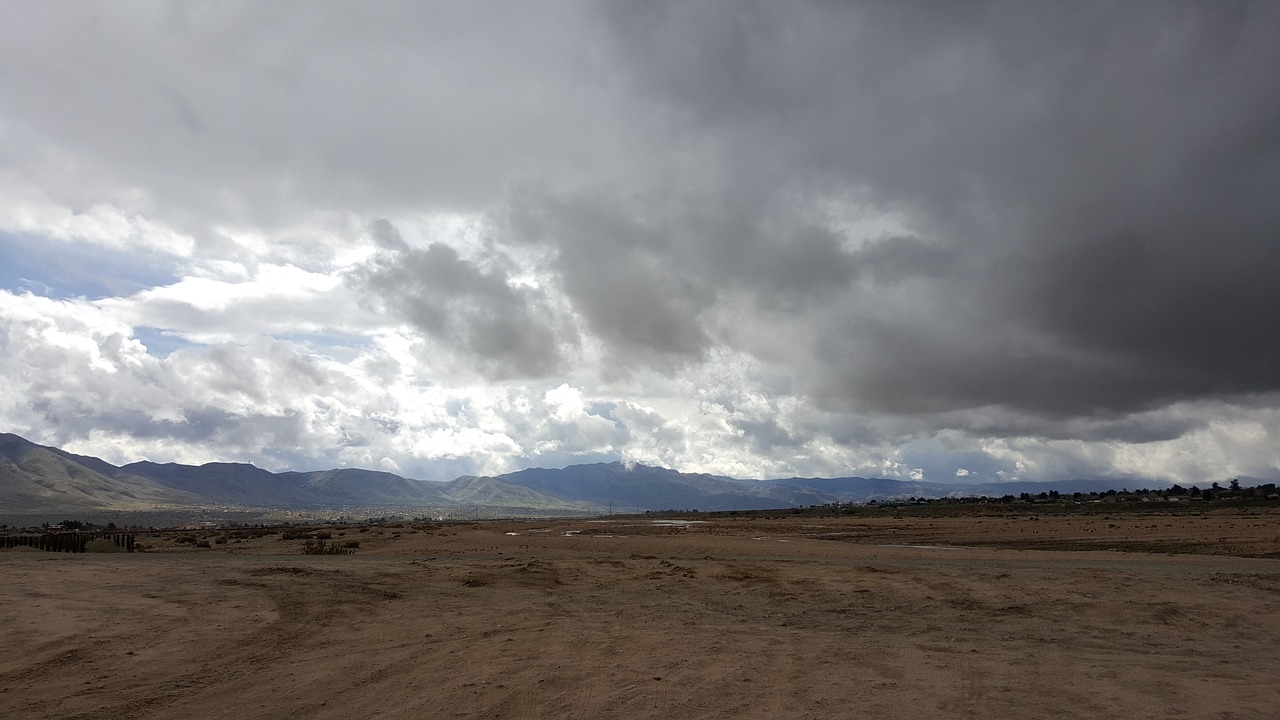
796,618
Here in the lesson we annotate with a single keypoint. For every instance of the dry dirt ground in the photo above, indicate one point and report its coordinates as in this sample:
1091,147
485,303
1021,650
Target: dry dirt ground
628,618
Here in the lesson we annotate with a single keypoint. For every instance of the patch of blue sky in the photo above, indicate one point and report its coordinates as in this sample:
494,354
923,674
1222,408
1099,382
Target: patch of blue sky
159,343
60,270
331,343
457,406
608,411
330,340
604,409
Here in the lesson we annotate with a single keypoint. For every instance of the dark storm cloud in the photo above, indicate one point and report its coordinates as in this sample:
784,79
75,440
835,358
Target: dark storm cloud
510,329
1092,186
766,435
1136,428
645,271
622,275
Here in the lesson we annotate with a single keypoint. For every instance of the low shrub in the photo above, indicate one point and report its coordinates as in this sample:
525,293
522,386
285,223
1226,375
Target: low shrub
320,547
102,545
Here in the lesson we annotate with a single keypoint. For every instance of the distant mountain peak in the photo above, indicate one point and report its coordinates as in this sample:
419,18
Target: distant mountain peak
36,477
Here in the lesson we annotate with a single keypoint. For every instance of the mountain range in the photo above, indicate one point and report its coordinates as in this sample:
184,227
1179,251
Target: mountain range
35,478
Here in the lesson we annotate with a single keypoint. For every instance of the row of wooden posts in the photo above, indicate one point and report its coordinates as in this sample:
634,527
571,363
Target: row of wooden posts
73,542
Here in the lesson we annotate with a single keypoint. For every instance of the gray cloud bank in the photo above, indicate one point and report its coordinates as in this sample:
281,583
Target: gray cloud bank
1004,220
456,301
1088,195
1091,192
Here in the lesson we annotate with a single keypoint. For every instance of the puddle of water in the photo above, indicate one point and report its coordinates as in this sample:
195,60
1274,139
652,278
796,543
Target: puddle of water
680,523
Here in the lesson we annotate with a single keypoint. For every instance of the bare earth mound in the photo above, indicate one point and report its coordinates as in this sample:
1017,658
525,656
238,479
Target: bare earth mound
628,618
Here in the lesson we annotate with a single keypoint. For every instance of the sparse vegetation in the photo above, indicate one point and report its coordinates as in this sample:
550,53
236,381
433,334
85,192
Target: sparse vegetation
320,547
102,545
1174,499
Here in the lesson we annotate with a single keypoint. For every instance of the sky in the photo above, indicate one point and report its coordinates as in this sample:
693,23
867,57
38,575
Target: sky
957,242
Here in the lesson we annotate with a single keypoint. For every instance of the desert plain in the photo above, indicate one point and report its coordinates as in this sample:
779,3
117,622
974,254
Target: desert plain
1013,615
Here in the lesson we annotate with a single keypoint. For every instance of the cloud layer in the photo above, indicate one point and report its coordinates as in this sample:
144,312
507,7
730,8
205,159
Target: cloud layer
993,241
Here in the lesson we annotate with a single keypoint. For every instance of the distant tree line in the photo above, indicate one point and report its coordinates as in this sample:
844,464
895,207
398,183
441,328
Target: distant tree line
1233,491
